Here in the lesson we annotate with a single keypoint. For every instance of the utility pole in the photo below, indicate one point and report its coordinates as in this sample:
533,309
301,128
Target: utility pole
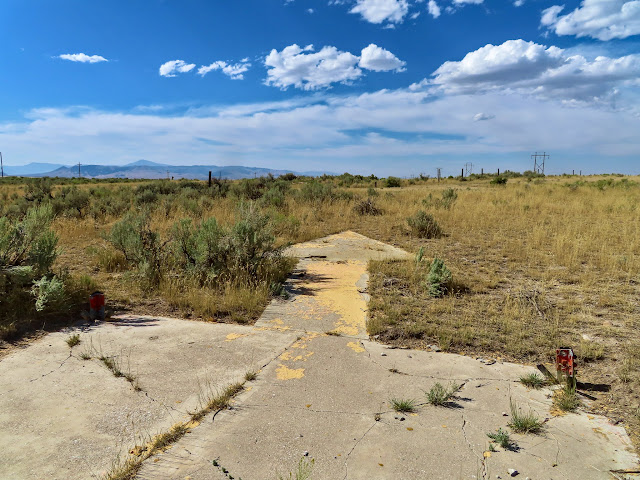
1,166
538,162
79,174
439,175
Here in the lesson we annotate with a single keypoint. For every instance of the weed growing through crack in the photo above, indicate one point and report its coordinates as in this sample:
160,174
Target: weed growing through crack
250,376
566,399
303,471
114,366
85,356
439,395
333,333
522,422
501,437
533,380
73,340
403,405
128,469
223,470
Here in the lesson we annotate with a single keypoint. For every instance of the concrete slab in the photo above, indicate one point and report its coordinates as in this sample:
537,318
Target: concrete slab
329,410
62,417
319,396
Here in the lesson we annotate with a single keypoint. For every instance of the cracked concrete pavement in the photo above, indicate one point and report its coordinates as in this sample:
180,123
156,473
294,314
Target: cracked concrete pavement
325,395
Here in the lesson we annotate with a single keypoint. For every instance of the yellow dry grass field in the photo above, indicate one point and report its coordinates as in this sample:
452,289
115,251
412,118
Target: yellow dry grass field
537,264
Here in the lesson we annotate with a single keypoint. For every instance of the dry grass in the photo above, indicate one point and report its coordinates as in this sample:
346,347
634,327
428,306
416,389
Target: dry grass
535,265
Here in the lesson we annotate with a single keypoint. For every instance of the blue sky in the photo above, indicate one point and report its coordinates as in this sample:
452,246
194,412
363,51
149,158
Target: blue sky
384,86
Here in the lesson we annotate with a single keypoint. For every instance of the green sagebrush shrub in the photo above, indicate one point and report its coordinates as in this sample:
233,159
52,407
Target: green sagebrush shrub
439,278
424,225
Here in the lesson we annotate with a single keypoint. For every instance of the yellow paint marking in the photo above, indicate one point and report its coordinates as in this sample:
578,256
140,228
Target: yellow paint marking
338,293
410,429
356,347
600,432
234,336
286,373
487,454
308,405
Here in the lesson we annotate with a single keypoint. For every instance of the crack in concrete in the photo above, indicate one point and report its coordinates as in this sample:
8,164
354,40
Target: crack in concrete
346,460
483,464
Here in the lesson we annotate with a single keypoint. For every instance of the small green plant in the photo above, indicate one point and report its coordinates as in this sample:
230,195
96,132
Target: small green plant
566,399
424,225
372,192
440,396
449,197
303,471
73,340
250,376
522,422
85,356
533,380
419,256
501,437
439,278
402,405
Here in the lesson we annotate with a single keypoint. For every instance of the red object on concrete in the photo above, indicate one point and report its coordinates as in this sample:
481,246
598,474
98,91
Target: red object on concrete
565,361
96,300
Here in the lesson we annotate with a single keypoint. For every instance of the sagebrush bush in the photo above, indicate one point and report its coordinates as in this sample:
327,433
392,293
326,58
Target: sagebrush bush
499,181
424,225
393,182
28,249
439,279
140,246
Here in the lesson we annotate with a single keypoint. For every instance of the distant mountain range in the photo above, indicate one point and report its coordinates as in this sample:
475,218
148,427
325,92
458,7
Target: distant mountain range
30,169
144,169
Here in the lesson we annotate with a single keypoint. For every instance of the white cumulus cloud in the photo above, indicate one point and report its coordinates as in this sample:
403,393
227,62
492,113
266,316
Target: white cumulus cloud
433,8
379,11
234,71
307,69
463,2
173,67
82,58
378,59
601,19
543,71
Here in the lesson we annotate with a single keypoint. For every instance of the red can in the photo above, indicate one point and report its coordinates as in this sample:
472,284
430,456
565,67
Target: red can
96,300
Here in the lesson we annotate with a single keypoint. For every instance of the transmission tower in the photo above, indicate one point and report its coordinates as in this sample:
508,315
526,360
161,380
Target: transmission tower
539,161
468,169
